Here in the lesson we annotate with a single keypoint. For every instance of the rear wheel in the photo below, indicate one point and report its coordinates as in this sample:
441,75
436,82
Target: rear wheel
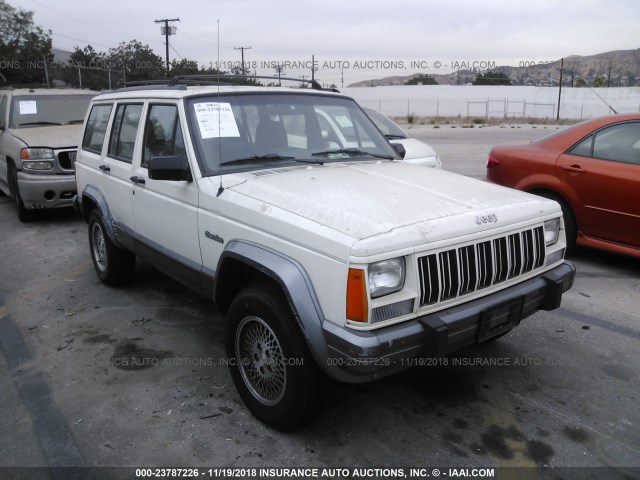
270,364
114,265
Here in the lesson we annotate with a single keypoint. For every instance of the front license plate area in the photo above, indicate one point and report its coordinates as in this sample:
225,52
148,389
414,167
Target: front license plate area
499,319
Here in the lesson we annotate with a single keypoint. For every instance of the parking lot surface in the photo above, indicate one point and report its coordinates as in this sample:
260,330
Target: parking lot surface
93,376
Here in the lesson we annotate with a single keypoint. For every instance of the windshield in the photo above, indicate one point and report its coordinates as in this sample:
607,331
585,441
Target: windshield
239,132
42,110
385,124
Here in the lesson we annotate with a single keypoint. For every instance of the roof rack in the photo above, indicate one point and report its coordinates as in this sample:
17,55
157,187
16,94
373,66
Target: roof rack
181,81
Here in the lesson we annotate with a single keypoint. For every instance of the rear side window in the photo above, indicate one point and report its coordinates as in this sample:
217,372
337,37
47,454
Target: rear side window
584,148
124,131
96,128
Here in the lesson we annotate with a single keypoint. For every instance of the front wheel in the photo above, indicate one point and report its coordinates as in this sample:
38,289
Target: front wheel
114,265
24,214
270,364
570,224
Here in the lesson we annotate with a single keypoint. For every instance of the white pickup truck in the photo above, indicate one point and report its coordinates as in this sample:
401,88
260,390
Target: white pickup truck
330,256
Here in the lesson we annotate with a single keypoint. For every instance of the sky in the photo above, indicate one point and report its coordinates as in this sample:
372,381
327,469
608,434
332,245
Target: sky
350,40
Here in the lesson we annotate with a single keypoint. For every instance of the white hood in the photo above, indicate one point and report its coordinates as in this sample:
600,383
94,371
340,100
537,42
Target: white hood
52,136
415,148
383,204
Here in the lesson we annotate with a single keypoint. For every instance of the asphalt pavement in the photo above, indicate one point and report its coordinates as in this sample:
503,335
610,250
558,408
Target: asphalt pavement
96,377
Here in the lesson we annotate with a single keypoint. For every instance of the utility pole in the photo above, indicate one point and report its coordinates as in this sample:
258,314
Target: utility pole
166,31
242,49
560,89
279,72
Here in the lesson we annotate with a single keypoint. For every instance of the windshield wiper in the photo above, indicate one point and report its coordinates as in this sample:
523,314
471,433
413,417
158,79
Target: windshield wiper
258,158
391,136
310,162
72,122
38,123
351,151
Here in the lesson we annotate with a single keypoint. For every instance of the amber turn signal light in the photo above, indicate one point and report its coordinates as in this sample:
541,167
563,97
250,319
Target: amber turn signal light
357,299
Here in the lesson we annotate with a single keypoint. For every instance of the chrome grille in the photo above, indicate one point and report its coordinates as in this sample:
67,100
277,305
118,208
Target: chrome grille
67,159
460,271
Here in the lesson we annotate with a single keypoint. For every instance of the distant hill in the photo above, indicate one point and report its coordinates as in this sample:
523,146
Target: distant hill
592,70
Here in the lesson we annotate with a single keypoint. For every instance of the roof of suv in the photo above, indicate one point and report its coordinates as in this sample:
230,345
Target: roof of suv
182,91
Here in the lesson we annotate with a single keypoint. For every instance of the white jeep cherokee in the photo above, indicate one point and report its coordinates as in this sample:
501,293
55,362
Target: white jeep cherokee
39,133
289,209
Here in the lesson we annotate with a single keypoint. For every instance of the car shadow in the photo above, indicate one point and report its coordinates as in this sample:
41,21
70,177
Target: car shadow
626,263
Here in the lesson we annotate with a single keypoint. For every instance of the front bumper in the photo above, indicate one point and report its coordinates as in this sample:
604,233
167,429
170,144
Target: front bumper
46,191
356,356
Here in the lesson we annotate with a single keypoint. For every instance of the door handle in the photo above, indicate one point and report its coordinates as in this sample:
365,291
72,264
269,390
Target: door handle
574,168
104,168
137,180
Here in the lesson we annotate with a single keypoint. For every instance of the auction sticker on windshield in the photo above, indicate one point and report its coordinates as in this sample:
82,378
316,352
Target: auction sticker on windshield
216,120
28,107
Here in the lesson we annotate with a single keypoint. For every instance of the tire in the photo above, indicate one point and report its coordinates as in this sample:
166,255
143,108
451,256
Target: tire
261,331
114,266
24,214
570,228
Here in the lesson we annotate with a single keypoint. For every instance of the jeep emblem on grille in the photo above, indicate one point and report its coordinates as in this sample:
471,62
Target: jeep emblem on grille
491,218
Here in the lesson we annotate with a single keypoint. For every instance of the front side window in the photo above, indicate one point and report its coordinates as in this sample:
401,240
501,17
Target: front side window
163,134
96,128
235,132
42,110
124,131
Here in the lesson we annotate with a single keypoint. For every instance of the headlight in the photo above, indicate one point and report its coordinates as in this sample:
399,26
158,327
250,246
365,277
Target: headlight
36,153
386,277
37,165
551,231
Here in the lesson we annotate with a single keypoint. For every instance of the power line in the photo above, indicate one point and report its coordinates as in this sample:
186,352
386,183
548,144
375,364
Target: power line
83,21
176,51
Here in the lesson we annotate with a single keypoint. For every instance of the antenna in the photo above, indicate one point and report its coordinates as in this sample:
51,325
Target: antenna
220,188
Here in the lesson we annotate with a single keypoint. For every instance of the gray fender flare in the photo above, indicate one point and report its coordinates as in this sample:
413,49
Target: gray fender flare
97,197
295,283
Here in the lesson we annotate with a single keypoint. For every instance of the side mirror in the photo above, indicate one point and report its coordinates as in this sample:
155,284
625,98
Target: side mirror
175,169
399,148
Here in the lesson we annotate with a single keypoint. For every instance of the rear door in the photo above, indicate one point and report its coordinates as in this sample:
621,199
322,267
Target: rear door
117,164
602,175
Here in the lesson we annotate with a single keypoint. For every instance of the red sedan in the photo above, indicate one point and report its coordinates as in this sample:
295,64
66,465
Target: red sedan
592,169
